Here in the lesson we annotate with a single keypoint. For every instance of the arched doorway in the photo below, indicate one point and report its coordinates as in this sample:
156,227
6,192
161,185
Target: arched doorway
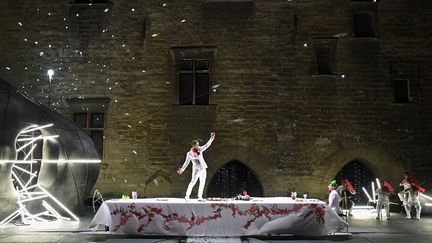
360,176
233,178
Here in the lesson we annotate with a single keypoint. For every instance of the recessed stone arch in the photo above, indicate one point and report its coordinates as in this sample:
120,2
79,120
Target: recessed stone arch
254,161
233,178
381,163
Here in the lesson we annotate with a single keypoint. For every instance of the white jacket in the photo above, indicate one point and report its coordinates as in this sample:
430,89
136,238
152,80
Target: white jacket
198,162
334,200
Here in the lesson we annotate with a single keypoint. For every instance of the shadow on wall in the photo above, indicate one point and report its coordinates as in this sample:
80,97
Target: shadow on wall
64,159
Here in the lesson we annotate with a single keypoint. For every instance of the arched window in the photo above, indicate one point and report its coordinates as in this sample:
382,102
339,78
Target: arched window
360,176
233,178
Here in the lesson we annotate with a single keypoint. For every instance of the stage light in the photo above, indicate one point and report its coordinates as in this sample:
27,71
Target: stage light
34,128
425,196
378,183
428,204
50,74
373,190
59,203
367,194
78,161
18,161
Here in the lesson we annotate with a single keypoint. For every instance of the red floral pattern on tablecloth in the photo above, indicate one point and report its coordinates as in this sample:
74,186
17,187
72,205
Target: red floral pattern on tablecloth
146,213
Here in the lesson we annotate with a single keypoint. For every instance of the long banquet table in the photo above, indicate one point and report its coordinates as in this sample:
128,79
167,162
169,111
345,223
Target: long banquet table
175,216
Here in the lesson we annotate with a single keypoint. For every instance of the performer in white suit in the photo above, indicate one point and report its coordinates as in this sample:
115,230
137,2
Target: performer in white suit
334,198
199,166
383,194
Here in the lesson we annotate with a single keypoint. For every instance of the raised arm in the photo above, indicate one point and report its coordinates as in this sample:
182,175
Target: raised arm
209,142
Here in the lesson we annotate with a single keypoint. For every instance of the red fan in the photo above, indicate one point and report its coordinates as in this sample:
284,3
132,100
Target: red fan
389,187
348,186
415,184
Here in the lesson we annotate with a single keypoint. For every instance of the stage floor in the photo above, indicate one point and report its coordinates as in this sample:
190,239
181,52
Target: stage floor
363,228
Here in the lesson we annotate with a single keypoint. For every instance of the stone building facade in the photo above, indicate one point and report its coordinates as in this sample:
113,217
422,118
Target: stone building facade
295,90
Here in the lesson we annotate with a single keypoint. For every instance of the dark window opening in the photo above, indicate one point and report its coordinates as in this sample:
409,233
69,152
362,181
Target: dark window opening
360,176
323,56
97,137
363,25
401,91
194,82
93,124
80,119
97,120
233,178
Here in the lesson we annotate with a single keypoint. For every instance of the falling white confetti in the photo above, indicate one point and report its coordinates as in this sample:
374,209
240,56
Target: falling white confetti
77,15
156,34
36,42
129,126
49,46
20,23
126,114
143,71
133,10
135,152
164,5
113,178
183,20
8,68
106,10
125,181
41,53
25,39
305,45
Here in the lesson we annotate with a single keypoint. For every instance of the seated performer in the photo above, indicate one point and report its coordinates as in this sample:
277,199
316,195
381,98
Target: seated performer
383,194
346,192
199,166
334,198
410,195
403,195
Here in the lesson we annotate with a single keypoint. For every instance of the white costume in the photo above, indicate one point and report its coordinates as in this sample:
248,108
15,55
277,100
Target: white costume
383,200
199,171
403,195
413,200
410,198
334,200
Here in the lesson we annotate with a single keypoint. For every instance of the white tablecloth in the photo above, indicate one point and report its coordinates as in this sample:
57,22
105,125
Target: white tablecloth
261,216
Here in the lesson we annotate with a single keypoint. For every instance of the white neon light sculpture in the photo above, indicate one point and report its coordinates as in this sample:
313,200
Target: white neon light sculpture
378,183
23,173
367,194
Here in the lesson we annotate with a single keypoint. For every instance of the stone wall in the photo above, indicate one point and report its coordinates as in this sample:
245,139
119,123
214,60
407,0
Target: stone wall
295,129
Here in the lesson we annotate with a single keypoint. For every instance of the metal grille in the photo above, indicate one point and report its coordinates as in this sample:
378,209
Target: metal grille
360,176
233,178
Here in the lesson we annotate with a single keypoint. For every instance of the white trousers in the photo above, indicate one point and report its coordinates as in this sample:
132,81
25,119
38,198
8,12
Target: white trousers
200,174
410,199
386,205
